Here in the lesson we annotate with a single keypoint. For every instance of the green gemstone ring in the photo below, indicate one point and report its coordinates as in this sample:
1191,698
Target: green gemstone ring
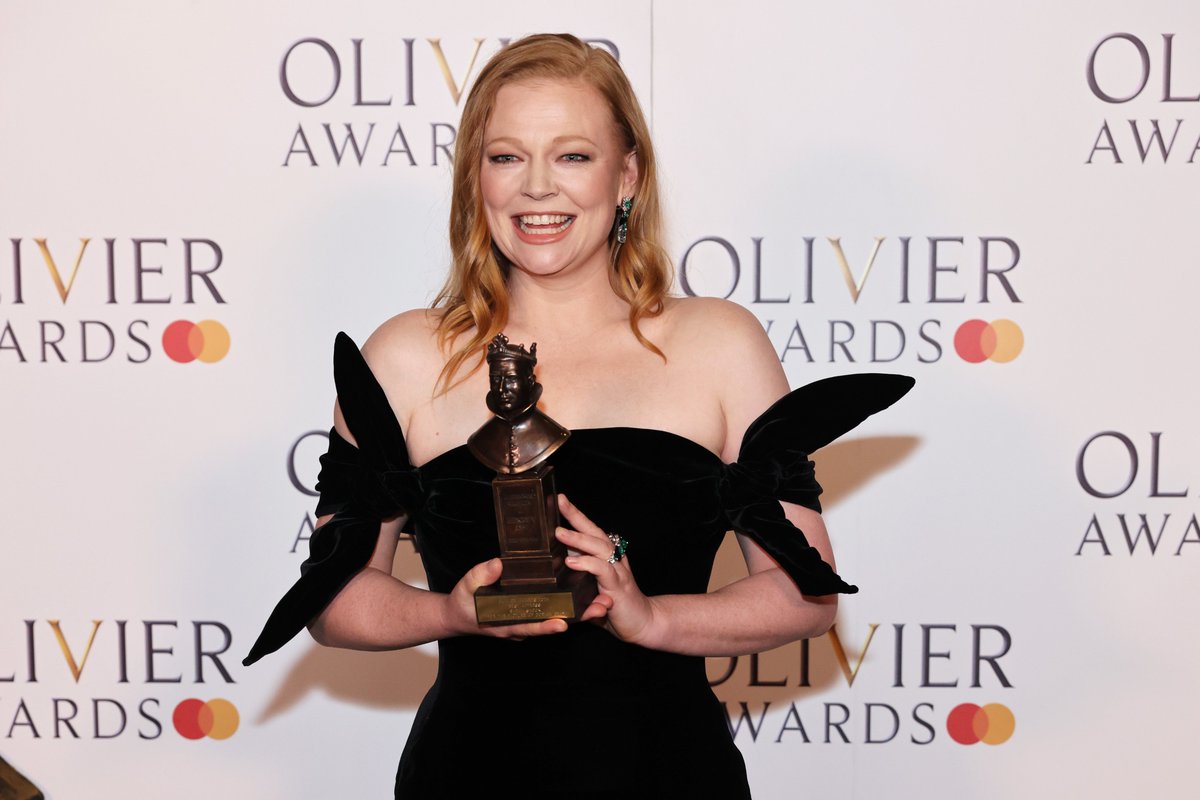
620,545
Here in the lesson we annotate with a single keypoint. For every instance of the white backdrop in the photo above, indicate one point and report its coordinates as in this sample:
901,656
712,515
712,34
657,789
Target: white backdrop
1005,561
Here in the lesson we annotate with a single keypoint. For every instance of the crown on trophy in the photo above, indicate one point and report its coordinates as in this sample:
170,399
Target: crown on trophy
499,349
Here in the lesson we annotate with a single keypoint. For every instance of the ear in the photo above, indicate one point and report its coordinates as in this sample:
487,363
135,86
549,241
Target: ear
629,174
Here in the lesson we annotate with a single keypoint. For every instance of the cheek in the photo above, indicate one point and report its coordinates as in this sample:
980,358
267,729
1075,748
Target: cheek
591,190
494,191
595,191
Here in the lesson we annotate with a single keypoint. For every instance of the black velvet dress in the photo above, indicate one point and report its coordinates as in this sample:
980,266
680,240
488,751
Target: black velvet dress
578,714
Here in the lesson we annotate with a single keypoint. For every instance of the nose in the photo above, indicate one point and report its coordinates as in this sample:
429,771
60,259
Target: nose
539,182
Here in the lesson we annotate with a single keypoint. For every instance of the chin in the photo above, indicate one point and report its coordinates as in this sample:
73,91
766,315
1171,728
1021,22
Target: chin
545,264
549,259
540,270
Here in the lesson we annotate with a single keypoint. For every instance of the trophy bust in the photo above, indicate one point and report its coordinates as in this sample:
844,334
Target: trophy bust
516,442
518,437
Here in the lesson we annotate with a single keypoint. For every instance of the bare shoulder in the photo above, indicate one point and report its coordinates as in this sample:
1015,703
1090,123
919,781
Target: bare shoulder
404,356
699,309
729,344
407,339
720,332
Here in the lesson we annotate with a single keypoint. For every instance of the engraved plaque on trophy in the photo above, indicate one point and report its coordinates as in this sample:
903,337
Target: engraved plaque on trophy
536,584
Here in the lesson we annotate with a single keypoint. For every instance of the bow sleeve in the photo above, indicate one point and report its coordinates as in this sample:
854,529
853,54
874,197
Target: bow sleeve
773,465
360,486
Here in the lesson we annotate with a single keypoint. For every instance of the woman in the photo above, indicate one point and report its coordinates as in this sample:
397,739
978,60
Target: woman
555,229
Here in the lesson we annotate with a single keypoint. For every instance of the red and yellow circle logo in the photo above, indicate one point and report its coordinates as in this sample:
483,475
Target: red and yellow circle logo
216,719
185,341
1001,340
990,724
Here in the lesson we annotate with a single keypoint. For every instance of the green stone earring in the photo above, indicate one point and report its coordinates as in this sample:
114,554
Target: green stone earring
623,219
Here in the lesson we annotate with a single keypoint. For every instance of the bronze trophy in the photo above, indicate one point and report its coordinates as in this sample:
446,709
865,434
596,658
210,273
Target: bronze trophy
536,584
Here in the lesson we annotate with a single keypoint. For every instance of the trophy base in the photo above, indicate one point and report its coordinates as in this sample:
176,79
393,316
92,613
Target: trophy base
567,598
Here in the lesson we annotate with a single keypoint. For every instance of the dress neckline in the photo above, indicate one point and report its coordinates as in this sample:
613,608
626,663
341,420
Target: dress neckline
588,432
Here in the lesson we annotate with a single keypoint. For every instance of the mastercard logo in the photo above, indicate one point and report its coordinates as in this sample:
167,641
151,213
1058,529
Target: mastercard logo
185,341
216,719
990,724
1001,340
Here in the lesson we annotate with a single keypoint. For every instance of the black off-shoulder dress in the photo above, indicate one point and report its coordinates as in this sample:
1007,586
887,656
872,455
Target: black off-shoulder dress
578,714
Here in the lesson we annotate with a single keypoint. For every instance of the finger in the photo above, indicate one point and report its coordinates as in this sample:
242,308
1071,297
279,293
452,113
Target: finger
599,553
593,612
601,604
527,629
577,518
585,544
483,574
606,576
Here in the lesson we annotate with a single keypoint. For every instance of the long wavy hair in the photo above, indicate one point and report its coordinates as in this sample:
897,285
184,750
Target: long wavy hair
473,305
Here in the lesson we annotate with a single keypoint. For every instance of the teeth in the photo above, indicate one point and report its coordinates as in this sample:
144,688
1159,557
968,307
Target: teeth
544,219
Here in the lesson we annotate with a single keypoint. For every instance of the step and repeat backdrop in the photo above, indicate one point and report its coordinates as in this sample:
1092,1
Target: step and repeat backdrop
997,199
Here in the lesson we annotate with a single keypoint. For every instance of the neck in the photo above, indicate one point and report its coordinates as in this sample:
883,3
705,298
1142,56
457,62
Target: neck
564,305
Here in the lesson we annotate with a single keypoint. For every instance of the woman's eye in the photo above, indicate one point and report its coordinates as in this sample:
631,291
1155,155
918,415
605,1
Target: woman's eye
502,159
576,158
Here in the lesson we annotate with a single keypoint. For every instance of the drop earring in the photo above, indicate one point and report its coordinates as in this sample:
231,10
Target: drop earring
623,219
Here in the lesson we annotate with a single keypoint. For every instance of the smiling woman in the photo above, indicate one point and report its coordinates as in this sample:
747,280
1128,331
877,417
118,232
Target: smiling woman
680,431
552,141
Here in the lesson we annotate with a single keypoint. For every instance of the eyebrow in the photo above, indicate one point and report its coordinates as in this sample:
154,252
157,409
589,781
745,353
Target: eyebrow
556,140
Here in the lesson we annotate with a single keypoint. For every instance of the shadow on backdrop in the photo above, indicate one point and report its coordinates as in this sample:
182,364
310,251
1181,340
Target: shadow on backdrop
777,676
390,679
393,679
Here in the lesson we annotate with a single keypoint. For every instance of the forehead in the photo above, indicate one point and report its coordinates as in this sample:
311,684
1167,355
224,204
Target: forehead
532,111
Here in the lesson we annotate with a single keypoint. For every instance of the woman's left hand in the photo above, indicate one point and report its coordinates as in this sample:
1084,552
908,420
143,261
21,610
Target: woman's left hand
620,605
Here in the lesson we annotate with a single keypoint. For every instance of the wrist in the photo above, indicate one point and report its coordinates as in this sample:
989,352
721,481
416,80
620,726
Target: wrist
451,621
655,634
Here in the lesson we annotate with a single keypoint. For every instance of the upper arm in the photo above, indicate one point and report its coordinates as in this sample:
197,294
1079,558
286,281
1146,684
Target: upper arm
339,424
751,380
810,523
748,375
389,352
389,529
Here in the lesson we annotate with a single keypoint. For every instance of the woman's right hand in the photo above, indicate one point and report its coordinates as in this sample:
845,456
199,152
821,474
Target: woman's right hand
461,608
